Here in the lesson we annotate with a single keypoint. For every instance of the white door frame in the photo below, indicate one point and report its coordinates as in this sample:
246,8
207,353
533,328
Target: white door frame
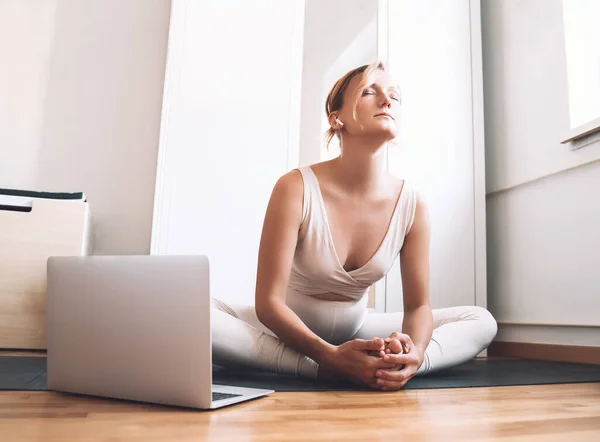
478,155
479,195
382,55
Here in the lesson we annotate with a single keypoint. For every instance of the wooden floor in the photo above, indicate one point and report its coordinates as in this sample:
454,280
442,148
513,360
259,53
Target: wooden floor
540,413
567,412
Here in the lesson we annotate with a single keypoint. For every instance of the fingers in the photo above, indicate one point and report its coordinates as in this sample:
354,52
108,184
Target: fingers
390,385
392,375
380,363
407,372
398,359
393,380
375,344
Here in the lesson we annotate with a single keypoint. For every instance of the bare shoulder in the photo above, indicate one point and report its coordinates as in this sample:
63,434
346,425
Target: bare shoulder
420,221
286,202
289,186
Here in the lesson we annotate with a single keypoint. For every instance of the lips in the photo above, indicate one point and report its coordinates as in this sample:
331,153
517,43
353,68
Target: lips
384,115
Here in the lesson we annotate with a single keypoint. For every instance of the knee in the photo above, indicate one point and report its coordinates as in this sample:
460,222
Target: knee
223,307
489,326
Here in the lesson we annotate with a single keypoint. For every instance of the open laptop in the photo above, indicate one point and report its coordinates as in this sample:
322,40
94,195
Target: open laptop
134,328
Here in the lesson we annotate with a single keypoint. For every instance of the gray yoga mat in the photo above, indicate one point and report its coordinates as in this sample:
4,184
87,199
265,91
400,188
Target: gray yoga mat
29,373
475,373
23,373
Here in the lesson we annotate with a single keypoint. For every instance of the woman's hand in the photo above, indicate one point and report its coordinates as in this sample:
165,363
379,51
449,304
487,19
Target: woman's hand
406,358
353,361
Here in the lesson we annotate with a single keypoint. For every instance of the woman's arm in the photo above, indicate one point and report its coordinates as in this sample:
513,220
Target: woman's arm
417,326
414,262
275,257
277,246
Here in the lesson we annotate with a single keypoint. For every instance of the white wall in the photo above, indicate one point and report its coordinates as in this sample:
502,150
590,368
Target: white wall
81,89
338,36
432,59
26,34
231,120
543,235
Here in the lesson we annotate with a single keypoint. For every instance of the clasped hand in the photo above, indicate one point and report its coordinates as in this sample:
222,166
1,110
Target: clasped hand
384,364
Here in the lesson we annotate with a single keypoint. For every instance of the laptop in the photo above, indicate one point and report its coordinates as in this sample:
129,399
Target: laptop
134,328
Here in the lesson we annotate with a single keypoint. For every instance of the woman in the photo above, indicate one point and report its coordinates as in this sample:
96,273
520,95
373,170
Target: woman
331,230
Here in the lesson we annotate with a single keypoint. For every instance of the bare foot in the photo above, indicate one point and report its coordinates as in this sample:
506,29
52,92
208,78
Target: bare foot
394,346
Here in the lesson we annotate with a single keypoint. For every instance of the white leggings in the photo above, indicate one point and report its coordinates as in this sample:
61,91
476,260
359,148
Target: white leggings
241,340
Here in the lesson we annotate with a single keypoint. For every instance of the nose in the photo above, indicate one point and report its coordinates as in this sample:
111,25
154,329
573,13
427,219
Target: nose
387,101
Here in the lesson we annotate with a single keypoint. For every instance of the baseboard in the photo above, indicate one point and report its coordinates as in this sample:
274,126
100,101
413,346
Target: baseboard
548,352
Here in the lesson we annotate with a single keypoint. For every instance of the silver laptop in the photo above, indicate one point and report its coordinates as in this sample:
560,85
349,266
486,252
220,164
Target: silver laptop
134,328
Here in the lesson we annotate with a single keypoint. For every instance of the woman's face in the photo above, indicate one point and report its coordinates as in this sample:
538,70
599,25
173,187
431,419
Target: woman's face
377,107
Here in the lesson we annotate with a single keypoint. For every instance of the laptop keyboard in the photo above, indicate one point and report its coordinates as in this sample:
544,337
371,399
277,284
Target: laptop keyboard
219,396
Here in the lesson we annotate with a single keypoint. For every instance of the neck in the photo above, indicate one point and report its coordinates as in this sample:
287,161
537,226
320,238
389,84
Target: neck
361,165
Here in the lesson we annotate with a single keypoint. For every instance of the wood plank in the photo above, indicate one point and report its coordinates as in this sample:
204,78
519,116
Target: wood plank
524,414
547,352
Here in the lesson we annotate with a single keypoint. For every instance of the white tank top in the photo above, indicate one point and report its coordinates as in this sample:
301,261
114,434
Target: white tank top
316,269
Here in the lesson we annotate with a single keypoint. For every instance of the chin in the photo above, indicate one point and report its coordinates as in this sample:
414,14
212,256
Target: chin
387,131
386,135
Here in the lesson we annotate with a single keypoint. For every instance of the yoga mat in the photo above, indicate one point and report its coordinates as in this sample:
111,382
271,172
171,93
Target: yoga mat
475,373
23,373
29,373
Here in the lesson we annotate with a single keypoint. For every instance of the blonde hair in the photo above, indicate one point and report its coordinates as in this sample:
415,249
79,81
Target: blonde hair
335,98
